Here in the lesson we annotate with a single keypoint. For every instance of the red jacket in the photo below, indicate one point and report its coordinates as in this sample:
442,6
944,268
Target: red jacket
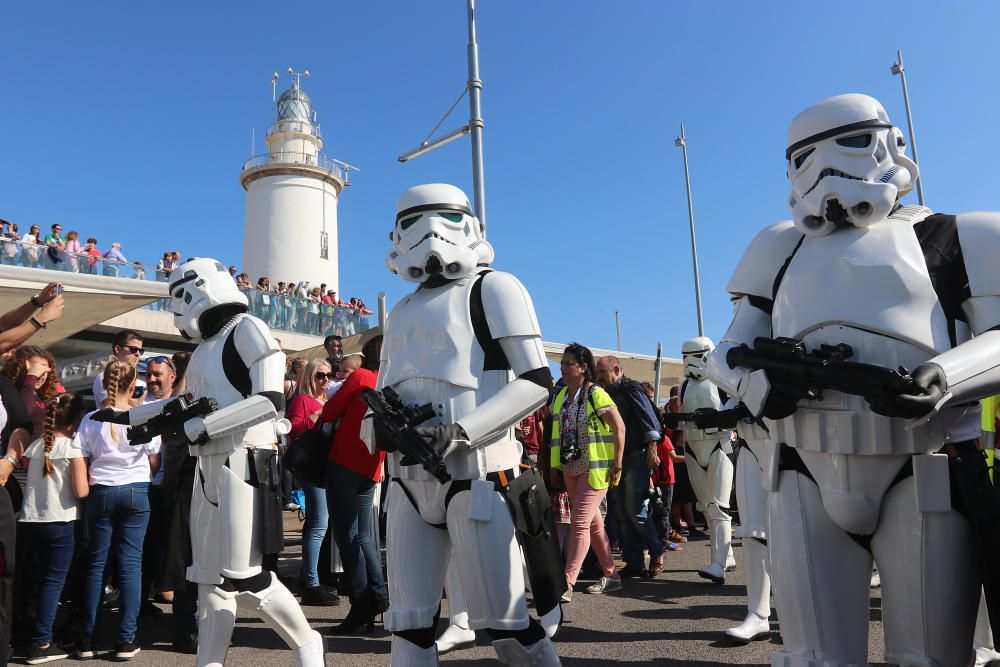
348,449
664,473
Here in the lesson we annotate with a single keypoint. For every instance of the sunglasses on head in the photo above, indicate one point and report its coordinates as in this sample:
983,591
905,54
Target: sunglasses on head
133,349
162,360
326,376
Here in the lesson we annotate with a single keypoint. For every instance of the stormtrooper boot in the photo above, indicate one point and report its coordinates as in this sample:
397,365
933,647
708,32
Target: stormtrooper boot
311,653
216,618
408,654
540,654
730,560
719,531
455,636
985,652
756,625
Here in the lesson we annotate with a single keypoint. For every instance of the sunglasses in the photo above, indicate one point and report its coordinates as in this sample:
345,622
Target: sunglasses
161,360
133,349
325,376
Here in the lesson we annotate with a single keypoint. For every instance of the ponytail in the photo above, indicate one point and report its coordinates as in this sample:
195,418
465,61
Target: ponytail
61,413
118,375
49,432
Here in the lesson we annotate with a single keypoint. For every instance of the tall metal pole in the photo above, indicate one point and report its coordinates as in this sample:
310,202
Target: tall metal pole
476,119
618,329
681,141
897,68
657,373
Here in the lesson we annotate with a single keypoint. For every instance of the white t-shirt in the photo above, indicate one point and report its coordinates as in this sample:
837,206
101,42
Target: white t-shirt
50,497
113,461
100,395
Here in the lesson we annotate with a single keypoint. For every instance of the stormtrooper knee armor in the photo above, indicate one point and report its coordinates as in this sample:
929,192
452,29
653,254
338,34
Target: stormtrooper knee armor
239,365
709,465
853,479
466,341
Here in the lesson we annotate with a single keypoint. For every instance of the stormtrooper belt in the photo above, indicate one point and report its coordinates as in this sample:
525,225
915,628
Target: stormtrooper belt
500,479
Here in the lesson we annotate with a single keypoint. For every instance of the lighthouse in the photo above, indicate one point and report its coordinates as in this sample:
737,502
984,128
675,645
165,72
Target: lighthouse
292,195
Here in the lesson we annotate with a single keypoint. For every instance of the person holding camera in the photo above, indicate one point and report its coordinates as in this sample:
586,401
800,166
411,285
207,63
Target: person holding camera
588,442
126,346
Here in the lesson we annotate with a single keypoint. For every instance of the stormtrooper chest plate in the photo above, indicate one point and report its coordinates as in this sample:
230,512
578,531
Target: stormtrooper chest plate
206,376
430,335
874,279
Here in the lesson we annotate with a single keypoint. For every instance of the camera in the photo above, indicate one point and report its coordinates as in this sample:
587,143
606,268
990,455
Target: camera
570,452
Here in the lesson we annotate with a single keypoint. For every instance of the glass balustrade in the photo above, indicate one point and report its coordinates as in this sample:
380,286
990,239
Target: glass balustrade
280,312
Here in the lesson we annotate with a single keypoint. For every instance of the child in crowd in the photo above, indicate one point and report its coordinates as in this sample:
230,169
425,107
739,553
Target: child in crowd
57,479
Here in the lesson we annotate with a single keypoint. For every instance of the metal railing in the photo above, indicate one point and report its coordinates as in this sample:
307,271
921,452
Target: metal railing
340,169
280,311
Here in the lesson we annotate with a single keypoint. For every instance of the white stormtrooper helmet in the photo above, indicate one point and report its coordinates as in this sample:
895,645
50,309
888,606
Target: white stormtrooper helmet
203,294
695,353
437,235
847,164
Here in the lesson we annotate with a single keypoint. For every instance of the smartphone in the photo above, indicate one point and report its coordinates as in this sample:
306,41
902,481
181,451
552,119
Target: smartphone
59,289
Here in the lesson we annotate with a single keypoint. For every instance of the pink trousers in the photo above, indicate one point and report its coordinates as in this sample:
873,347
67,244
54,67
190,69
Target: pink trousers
586,528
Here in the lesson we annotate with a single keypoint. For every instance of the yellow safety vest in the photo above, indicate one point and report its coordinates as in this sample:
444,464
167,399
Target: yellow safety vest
600,440
990,405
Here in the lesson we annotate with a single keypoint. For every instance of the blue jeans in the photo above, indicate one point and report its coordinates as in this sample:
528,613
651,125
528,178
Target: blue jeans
349,497
119,514
313,531
629,496
53,549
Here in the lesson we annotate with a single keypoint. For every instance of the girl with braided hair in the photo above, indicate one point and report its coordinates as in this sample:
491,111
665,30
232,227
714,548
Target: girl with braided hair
118,511
57,479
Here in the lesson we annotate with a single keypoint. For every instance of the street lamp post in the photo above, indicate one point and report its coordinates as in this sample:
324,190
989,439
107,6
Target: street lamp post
473,88
897,68
681,142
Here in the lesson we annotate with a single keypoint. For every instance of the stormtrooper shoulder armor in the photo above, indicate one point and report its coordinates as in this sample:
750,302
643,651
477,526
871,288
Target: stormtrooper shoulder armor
979,236
259,352
507,306
763,260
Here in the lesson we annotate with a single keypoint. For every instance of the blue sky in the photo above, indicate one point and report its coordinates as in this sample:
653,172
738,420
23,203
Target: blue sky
130,122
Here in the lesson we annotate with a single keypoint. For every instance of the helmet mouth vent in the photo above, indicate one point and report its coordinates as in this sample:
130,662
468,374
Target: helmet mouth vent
433,266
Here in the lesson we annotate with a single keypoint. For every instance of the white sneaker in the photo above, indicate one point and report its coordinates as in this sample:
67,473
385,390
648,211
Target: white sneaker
985,656
606,585
753,627
455,637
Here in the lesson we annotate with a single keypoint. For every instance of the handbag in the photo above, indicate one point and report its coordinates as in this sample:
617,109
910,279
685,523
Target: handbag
54,255
307,455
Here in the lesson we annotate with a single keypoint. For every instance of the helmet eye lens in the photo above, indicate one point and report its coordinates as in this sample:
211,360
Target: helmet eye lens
452,217
857,141
802,157
406,223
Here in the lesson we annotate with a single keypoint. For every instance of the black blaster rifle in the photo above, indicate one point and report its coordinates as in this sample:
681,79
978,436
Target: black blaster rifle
795,373
167,422
397,423
707,418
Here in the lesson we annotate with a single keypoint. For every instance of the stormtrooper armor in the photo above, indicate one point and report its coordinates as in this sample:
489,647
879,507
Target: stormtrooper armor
709,465
468,342
752,499
902,287
237,363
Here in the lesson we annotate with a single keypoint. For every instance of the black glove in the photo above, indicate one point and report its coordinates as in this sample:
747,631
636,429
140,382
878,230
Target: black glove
930,380
110,415
439,436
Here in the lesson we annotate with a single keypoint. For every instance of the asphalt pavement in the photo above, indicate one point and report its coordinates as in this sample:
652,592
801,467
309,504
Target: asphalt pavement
675,619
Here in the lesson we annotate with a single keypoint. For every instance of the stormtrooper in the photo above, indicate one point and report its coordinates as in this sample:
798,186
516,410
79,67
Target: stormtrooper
466,341
852,478
239,365
709,465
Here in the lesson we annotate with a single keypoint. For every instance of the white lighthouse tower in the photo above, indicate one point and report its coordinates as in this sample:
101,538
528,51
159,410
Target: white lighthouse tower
292,195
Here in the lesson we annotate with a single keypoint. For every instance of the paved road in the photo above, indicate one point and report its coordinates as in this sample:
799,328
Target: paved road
676,619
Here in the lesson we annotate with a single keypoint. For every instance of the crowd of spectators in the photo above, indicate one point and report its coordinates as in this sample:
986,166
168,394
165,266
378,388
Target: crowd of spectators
291,306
